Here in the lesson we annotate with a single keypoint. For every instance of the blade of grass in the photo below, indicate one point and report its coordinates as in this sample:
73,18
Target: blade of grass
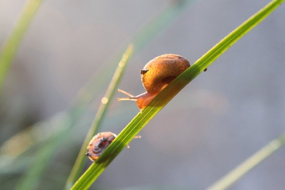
86,94
106,100
141,119
140,40
29,181
249,164
42,157
11,45
159,22
32,177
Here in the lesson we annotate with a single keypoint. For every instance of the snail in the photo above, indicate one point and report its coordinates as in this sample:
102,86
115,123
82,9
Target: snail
99,143
156,75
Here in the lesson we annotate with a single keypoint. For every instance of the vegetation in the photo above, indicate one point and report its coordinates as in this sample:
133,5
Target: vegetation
62,124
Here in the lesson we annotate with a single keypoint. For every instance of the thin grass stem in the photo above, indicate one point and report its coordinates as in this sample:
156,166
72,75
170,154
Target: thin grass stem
105,102
142,118
256,159
11,45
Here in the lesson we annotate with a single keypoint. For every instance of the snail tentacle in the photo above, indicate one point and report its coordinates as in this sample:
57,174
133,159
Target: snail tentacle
130,96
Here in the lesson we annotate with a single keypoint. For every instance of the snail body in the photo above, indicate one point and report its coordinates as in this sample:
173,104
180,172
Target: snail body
156,75
99,143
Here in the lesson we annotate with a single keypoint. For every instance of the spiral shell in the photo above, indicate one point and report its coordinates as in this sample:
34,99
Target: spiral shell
161,71
98,144
156,75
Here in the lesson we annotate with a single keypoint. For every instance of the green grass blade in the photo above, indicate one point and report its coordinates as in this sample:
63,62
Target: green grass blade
82,101
141,119
77,168
159,22
85,95
39,161
11,45
140,40
249,164
31,178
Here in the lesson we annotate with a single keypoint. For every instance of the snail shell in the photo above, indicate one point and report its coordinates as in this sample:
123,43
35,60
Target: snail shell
98,144
156,75
161,71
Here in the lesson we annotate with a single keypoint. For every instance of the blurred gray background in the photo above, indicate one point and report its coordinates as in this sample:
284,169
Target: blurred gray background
219,120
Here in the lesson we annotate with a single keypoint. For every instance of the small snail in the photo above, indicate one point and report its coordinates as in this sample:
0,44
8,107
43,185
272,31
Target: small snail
99,143
156,75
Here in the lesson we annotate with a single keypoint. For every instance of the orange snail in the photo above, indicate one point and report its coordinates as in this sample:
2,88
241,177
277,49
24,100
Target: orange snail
156,75
99,143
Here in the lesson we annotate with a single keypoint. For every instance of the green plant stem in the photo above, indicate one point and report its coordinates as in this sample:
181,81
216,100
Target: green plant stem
155,25
142,118
86,94
159,22
249,164
140,40
82,101
11,45
106,100
32,179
